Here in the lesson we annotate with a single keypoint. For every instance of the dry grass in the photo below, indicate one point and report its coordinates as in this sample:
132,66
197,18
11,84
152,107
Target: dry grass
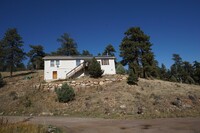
20,127
154,97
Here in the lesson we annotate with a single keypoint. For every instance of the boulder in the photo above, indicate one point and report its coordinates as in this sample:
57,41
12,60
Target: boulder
59,85
124,78
73,82
123,106
101,83
177,102
95,83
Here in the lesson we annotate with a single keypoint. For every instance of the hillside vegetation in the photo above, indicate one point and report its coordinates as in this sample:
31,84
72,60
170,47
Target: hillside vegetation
149,99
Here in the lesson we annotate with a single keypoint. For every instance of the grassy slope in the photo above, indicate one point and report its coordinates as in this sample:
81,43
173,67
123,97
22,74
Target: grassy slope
117,100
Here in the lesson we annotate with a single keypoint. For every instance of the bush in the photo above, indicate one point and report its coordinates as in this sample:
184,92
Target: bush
2,83
65,93
132,78
120,69
95,69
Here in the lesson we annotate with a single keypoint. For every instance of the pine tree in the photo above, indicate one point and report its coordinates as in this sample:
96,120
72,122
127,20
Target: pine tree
36,54
176,68
135,50
163,72
196,69
68,46
86,53
109,50
95,69
120,69
132,78
2,56
1,81
13,47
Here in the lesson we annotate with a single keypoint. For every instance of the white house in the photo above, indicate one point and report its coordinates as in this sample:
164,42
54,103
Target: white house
62,67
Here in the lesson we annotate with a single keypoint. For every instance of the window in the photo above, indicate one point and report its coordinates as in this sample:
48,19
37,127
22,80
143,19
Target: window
57,62
78,62
52,63
105,62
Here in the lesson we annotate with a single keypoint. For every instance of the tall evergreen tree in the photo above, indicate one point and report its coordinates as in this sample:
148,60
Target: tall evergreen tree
68,46
13,47
187,73
86,53
109,50
135,50
2,56
1,81
36,54
163,72
176,68
196,69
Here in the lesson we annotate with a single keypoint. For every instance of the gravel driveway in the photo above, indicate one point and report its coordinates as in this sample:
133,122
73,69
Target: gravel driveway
95,125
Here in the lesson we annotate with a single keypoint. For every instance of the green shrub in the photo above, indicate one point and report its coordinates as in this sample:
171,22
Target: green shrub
95,69
2,83
120,69
132,78
65,93
173,79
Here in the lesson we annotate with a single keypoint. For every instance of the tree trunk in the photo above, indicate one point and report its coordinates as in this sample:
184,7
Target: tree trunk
11,70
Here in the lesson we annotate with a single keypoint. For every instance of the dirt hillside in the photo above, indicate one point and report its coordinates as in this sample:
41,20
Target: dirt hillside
150,99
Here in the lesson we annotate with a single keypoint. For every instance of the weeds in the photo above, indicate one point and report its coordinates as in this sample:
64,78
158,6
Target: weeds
20,127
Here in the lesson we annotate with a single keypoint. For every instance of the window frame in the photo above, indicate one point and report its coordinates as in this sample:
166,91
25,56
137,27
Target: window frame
57,62
104,62
52,63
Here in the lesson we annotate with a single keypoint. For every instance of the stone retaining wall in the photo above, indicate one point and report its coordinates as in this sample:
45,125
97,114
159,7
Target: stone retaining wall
83,82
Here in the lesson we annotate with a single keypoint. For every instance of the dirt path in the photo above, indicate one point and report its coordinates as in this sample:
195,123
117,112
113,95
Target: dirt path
93,125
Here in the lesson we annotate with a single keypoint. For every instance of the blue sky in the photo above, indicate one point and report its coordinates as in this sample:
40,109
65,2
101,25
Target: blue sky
173,25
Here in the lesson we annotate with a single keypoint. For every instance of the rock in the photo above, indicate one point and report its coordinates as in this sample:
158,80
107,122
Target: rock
47,114
101,83
78,83
2,113
59,85
124,78
193,98
177,102
187,106
140,110
52,88
107,82
107,79
45,88
83,85
113,79
37,86
123,106
88,84
96,83
73,82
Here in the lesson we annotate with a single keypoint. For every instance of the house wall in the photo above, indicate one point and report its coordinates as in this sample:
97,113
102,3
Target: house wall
64,67
108,69
67,65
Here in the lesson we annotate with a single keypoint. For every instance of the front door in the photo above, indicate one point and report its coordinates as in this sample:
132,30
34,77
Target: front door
54,74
